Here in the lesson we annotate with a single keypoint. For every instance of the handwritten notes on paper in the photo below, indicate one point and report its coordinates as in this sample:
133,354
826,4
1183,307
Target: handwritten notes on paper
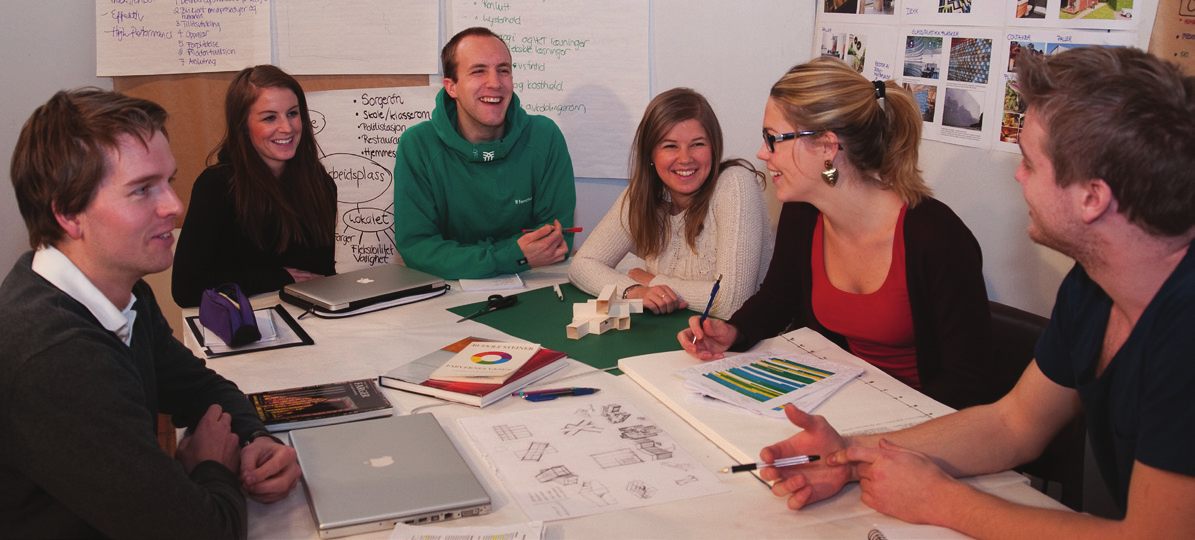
589,457
358,133
141,37
584,65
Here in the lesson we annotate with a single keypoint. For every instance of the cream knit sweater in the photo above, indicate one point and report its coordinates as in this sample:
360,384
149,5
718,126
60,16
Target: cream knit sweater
735,242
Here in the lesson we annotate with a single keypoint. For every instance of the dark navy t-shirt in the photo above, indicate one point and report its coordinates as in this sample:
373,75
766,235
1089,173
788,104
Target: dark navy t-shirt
1142,407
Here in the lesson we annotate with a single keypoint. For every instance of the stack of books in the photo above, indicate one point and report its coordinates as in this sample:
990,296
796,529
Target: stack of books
475,371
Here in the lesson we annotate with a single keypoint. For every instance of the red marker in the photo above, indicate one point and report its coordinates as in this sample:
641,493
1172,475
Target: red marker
570,230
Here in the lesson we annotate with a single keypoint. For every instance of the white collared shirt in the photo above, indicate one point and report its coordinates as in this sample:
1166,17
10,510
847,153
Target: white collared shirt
53,265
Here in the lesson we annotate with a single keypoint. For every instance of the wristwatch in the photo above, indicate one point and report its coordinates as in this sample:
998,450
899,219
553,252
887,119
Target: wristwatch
258,434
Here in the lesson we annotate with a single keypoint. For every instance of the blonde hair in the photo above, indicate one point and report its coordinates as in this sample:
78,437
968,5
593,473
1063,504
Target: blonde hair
879,137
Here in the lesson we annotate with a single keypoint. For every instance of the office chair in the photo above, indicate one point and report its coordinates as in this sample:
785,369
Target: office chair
1014,335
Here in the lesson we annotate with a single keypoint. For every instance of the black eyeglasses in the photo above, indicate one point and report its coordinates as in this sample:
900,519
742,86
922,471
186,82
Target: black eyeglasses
771,140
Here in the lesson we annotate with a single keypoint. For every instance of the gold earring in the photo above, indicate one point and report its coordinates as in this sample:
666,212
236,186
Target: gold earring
830,175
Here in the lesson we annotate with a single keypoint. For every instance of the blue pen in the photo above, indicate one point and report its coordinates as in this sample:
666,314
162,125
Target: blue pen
548,395
705,314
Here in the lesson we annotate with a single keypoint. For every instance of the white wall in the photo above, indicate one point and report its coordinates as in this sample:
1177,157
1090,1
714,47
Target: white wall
730,52
46,46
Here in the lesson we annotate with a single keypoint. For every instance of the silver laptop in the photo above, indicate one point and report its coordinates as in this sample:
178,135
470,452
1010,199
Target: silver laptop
367,476
362,288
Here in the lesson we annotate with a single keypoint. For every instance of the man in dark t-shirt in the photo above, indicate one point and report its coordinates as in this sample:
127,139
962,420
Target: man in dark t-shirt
1109,177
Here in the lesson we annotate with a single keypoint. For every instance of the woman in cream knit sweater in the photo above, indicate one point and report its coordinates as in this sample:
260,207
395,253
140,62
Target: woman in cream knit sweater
689,215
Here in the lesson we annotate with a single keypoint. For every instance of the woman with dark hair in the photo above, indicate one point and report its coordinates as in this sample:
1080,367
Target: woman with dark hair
264,215
863,254
689,215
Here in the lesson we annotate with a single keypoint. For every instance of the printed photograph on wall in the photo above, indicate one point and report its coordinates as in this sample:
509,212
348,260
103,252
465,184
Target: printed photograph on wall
923,57
963,109
954,6
860,7
926,96
850,48
1018,48
970,60
1111,10
1031,9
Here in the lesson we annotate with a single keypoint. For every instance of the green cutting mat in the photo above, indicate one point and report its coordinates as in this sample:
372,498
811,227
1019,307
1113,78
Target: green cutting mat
540,317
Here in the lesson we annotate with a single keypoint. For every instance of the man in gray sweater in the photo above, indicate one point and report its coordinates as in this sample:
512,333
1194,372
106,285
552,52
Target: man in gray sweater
87,361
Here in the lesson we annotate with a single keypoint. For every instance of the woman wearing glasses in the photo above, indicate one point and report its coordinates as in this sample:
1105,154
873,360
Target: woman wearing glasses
863,254
264,215
687,213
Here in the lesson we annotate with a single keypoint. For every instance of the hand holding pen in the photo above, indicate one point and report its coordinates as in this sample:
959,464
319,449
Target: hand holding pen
705,314
782,462
544,246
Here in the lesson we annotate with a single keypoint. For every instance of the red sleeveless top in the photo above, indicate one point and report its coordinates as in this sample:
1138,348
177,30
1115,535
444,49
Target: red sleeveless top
878,326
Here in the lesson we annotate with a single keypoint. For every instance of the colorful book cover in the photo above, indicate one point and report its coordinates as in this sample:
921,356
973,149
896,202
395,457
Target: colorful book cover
413,377
486,362
310,406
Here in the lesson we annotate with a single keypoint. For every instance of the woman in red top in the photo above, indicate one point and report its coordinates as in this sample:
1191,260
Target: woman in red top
863,254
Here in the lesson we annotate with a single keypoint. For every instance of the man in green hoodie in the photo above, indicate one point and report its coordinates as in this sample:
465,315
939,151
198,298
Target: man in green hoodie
469,181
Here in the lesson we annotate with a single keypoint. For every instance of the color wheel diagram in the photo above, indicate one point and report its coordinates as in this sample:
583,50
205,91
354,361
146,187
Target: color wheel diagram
499,357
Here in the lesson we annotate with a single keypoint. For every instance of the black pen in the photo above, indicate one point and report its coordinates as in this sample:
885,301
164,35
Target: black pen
705,314
783,462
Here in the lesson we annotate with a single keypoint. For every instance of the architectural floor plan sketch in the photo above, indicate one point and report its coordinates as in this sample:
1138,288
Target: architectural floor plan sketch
593,456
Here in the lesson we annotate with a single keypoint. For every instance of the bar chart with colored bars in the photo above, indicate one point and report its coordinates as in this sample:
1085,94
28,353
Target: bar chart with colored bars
768,379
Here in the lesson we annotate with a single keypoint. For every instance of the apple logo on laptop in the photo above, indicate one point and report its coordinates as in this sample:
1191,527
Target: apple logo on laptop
365,281
379,462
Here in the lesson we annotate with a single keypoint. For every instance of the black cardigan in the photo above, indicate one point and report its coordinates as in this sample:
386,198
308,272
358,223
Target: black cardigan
947,296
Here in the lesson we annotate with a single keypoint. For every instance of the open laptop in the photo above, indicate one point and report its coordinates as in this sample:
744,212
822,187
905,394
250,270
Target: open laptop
362,288
367,476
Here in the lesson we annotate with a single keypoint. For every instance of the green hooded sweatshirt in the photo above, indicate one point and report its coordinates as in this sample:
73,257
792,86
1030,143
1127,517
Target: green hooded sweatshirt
460,208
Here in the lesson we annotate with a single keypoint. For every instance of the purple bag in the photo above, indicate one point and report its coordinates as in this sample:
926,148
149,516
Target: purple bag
225,311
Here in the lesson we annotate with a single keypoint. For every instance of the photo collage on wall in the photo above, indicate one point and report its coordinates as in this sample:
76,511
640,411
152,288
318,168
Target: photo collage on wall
958,65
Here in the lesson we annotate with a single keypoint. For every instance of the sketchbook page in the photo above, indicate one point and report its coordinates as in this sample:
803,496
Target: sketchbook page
587,456
873,402
499,283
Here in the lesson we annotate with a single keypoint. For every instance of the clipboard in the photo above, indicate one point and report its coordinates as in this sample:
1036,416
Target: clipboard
287,331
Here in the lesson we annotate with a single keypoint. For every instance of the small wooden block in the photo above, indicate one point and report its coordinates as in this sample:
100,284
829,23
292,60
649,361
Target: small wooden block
578,329
587,310
604,298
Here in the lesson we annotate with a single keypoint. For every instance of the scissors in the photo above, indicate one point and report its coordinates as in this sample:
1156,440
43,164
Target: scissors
496,301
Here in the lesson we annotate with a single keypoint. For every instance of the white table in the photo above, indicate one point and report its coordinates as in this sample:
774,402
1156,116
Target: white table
368,345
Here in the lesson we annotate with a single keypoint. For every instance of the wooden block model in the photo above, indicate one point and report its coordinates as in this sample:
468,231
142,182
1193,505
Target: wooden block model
601,314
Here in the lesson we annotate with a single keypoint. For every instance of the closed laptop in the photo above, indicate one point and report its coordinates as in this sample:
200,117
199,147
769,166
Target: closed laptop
367,476
362,288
